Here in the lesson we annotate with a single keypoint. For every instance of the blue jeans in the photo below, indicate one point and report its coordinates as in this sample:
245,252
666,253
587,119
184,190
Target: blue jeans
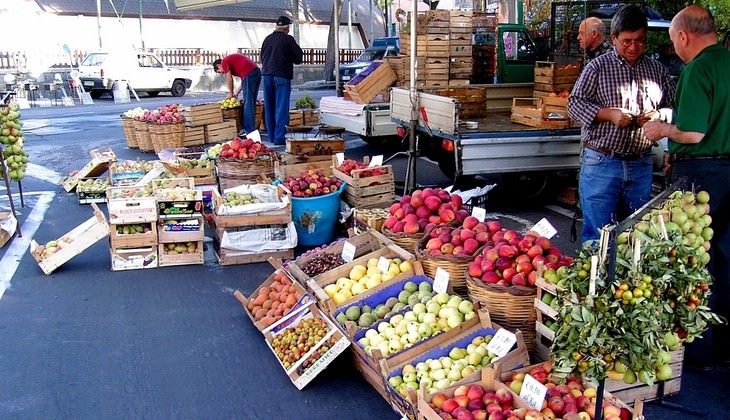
277,91
250,91
610,189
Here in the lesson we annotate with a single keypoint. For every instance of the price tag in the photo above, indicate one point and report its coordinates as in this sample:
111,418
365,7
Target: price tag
383,264
348,251
441,281
255,136
340,157
594,274
544,228
533,392
479,213
502,342
376,161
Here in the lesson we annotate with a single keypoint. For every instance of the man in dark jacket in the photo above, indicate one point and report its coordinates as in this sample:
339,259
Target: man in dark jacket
279,53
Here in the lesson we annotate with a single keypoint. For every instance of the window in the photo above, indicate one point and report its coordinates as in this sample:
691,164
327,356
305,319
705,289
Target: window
94,60
148,61
518,47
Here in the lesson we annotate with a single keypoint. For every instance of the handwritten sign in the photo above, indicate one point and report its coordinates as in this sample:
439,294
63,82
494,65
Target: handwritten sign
480,213
544,228
383,264
441,281
376,161
502,342
340,157
533,392
348,252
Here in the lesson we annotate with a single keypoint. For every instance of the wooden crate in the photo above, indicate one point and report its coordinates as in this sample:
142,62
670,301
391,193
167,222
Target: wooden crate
334,338
553,73
370,201
460,51
544,338
100,159
185,230
191,258
194,136
643,392
134,258
364,88
132,240
296,117
315,147
77,241
222,131
472,100
276,217
282,170
528,111
202,114
356,178
132,207
311,116
87,197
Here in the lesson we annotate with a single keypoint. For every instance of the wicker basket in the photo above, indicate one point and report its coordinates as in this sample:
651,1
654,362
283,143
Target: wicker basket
511,307
406,241
144,141
234,172
130,133
167,136
233,114
456,266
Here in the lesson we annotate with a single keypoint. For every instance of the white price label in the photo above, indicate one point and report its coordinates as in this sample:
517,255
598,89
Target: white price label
383,264
544,228
441,280
480,213
348,252
340,157
255,136
376,161
502,342
533,392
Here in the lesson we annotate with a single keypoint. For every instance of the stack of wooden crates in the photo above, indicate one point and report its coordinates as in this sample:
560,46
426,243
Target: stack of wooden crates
205,122
133,228
180,227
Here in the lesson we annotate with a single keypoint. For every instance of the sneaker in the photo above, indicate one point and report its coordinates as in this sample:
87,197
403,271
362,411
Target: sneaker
242,133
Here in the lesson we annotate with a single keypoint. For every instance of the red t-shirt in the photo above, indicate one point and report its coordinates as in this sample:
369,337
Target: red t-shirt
238,64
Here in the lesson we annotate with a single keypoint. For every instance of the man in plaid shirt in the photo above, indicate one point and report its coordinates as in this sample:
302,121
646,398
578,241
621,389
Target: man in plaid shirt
615,94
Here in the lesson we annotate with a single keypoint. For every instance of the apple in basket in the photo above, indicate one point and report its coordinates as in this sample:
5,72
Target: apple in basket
243,149
312,183
430,206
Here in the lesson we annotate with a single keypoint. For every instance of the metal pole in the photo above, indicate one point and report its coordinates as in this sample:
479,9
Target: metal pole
349,24
295,19
336,23
371,21
410,181
141,37
98,20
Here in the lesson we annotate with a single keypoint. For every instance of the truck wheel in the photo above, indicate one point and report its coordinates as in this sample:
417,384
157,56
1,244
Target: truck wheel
153,94
96,94
529,185
178,88
447,164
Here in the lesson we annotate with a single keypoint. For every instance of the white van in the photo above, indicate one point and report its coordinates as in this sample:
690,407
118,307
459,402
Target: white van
143,71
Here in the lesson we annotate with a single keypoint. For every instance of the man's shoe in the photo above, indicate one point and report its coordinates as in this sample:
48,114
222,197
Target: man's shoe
242,133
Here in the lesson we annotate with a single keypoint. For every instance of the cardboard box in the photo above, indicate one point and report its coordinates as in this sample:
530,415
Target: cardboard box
8,227
134,258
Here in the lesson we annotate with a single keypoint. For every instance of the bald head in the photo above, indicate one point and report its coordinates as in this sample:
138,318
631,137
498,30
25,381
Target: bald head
691,31
591,33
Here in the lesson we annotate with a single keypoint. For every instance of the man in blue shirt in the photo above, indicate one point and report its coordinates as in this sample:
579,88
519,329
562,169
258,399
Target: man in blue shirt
279,53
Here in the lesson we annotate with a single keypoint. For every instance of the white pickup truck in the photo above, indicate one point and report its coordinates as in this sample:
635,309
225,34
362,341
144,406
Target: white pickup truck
142,71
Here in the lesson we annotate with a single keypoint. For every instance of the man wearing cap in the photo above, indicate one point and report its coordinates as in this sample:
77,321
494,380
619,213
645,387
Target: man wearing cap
242,67
279,53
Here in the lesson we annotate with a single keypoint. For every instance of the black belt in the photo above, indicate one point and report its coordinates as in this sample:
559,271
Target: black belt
677,158
618,155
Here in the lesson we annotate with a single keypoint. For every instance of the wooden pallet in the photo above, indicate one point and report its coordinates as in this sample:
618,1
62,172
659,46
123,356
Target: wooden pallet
222,131
201,114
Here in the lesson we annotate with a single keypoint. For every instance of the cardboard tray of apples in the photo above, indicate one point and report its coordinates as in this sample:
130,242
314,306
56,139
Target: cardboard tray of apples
406,399
311,363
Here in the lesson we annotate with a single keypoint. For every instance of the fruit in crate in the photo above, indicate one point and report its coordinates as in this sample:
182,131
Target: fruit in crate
349,165
132,229
51,247
273,301
566,396
464,240
196,163
130,166
166,114
214,150
312,183
423,210
243,149
176,194
364,316
229,103
362,278
440,313
180,248
121,193
11,135
93,185
476,402
440,373
294,342
233,199
135,113
316,355
322,262
511,259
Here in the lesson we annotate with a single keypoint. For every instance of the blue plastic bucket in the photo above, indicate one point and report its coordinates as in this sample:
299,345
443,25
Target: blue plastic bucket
315,218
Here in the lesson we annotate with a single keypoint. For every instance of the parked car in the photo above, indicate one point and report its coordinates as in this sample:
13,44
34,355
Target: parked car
380,48
143,72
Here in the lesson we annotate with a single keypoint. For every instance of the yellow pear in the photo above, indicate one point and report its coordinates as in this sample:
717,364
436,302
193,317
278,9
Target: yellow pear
373,282
339,298
405,266
387,276
372,262
393,269
357,272
331,289
357,288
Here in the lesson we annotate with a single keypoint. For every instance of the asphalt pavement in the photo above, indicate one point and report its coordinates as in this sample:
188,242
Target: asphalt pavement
173,343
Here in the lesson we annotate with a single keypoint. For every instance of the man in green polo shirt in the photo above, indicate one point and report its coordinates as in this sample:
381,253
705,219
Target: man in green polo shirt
699,150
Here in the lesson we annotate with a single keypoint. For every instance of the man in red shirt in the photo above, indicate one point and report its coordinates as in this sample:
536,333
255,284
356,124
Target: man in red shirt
242,67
